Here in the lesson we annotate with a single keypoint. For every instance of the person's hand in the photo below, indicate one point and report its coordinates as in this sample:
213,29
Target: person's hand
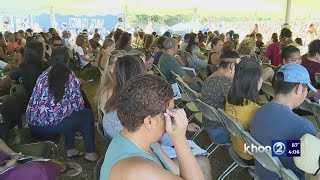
176,123
193,127
12,161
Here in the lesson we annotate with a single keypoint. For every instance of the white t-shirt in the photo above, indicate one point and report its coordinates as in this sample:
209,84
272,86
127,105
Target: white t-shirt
119,25
79,50
183,46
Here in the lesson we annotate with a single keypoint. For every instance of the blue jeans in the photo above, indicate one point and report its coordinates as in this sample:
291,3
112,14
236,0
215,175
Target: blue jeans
82,120
218,135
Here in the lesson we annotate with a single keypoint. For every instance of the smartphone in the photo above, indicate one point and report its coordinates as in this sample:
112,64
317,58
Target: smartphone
24,159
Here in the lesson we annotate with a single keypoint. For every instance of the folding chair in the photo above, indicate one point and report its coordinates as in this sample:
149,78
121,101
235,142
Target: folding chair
234,128
211,114
44,149
268,90
316,111
306,105
184,97
317,77
267,161
157,71
187,58
98,168
287,174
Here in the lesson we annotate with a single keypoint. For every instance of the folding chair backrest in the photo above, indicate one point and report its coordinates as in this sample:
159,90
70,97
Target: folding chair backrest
267,89
306,105
316,112
317,77
98,168
157,71
193,95
179,81
264,158
184,56
188,57
209,112
233,126
287,174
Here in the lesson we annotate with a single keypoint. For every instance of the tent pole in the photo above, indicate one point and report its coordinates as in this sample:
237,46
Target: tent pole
288,9
52,15
125,15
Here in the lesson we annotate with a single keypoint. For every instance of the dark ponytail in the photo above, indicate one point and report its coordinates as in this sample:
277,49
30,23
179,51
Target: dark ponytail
59,73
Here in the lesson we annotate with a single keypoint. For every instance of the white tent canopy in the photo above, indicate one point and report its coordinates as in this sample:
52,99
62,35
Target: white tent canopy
232,8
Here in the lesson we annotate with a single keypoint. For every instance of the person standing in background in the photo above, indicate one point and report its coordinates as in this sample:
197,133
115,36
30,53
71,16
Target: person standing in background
119,25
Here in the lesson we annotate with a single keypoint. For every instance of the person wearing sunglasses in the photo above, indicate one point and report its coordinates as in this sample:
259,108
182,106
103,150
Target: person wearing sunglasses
55,42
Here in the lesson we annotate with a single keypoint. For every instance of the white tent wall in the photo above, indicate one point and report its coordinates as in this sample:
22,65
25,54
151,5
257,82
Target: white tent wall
254,9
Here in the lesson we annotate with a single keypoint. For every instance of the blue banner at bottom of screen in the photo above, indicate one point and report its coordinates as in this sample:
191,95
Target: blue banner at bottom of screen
286,148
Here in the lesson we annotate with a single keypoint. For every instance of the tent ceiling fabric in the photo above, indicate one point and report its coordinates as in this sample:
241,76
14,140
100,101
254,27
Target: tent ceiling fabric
258,8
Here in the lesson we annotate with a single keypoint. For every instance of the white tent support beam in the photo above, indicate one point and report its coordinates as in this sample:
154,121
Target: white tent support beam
288,10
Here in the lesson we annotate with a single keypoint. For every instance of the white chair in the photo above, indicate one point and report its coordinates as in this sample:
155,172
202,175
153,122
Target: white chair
234,128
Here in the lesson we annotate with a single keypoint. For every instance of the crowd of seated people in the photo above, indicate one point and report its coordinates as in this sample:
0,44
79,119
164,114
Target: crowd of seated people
57,105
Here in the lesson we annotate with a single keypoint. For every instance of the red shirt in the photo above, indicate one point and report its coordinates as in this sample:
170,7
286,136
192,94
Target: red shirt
312,67
273,53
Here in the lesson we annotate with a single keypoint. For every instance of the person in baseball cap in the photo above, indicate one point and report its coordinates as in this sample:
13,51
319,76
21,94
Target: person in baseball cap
296,73
276,119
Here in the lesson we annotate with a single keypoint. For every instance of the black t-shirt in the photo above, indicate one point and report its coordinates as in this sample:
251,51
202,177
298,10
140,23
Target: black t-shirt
259,44
94,44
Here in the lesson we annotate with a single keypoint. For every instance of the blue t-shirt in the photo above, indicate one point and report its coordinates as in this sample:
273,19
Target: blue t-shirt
168,63
274,121
156,58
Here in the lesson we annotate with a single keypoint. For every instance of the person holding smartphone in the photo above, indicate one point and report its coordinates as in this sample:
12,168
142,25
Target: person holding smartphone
17,166
145,110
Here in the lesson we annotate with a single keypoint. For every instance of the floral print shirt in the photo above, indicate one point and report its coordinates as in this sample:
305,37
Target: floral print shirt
42,109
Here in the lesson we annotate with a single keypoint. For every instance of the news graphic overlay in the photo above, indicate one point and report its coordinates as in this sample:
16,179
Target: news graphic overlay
286,148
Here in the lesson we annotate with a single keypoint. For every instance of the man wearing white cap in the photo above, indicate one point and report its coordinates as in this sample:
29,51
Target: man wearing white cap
277,121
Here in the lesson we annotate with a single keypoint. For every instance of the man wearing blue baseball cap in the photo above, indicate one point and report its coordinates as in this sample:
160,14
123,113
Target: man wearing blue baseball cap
276,120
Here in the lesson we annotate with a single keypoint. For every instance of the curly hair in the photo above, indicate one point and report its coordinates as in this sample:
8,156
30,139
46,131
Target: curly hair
142,96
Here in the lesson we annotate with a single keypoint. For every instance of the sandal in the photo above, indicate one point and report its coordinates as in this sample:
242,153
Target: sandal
90,161
71,167
79,154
